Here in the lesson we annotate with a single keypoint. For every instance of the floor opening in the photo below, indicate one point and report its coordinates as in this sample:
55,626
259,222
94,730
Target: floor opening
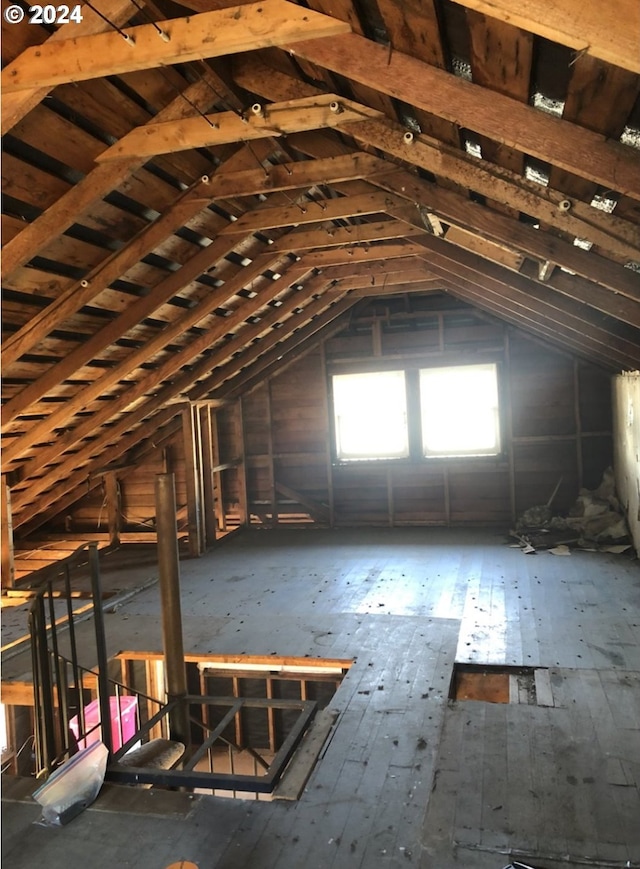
258,723
490,683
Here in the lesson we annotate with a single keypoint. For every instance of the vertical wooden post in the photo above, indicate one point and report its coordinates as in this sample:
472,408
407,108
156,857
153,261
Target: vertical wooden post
112,494
190,433
328,428
376,337
8,570
243,494
218,491
390,503
156,696
508,417
578,422
273,497
271,718
447,494
208,462
169,576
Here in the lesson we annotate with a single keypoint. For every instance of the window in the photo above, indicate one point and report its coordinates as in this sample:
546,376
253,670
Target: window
427,413
370,416
459,411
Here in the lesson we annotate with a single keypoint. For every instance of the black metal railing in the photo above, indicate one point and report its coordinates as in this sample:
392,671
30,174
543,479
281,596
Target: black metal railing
61,683
66,689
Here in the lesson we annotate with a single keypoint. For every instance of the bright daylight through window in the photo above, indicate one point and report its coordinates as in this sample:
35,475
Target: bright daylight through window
460,411
455,410
370,413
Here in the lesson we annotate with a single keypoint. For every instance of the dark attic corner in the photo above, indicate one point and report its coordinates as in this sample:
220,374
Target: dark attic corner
321,434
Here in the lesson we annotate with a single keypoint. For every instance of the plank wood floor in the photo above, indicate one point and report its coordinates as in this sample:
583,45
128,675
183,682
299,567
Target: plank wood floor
409,777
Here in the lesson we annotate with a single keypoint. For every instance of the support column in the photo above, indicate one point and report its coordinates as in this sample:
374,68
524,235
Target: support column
112,495
8,571
169,574
243,494
273,496
218,489
209,461
101,648
191,435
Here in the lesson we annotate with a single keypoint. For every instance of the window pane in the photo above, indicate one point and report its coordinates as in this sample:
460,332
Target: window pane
459,409
370,415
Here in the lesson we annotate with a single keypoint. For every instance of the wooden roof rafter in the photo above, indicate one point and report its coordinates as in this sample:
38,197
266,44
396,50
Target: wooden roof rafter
111,308
176,40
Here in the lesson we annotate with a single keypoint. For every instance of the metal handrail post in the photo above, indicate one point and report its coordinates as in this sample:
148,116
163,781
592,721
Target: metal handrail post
101,648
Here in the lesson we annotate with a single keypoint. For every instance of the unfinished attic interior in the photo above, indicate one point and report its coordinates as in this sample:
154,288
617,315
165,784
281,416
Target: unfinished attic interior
320,348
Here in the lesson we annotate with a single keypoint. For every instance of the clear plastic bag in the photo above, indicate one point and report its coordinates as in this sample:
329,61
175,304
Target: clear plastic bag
73,786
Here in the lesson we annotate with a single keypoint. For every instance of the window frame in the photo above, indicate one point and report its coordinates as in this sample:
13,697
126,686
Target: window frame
339,460
412,371
497,422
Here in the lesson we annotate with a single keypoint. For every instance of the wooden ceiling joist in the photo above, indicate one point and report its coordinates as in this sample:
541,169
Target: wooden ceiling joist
261,121
535,303
20,445
176,40
403,154
552,207
81,292
288,348
218,186
80,482
500,118
94,20
538,245
63,475
94,186
290,176
604,31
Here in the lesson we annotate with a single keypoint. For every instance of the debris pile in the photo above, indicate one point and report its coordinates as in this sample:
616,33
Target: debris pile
595,522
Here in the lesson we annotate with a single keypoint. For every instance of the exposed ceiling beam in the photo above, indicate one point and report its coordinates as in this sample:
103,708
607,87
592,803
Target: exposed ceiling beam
134,403
312,211
79,481
285,351
535,301
618,237
117,12
500,118
220,128
372,284
145,306
94,186
551,207
604,30
328,235
117,329
219,185
81,292
89,454
225,364
452,207
177,40
289,176
423,286
44,428
528,321
449,204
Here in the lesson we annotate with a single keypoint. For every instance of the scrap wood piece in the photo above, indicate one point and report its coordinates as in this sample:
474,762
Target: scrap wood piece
560,549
